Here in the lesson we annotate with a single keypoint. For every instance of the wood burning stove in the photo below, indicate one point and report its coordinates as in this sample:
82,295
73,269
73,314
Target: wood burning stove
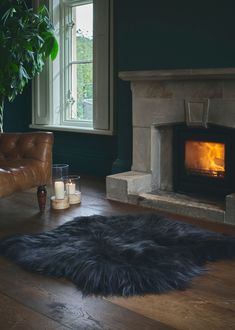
204,160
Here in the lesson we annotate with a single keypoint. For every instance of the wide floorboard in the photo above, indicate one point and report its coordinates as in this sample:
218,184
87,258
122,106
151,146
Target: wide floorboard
31,301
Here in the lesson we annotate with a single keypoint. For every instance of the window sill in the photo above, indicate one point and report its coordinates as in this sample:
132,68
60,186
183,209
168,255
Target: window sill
72,129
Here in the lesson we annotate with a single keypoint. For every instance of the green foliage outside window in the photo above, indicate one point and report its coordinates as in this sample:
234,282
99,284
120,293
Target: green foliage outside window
84,74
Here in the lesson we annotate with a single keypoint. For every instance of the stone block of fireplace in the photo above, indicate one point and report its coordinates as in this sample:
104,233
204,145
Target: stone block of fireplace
160,100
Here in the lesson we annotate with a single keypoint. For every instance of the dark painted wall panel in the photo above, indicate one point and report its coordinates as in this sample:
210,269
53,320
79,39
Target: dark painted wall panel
17,115
157,34
86,154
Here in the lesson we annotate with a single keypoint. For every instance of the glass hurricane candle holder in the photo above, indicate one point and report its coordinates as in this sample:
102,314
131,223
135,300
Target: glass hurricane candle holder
60,171
73,189
59,198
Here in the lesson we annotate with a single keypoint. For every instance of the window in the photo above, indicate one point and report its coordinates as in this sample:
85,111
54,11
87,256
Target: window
79,72
75,91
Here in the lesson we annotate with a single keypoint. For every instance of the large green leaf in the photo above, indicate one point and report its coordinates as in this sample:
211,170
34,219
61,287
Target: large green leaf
9,13
27,39
55,50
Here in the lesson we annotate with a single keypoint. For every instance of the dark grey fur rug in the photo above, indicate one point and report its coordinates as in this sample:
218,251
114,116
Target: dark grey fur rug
121,255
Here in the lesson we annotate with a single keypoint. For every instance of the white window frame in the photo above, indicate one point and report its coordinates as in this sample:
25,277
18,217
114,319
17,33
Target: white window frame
49,88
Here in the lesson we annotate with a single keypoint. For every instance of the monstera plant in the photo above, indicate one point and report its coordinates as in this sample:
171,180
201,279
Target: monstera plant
27,39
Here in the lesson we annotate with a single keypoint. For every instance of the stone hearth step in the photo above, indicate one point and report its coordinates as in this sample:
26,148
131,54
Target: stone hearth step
184,205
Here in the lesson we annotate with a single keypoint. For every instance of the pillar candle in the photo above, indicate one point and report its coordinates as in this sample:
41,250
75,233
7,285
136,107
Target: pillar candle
70,188
59,190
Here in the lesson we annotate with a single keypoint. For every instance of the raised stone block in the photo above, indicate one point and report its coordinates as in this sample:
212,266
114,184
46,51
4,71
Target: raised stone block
118,186
230,209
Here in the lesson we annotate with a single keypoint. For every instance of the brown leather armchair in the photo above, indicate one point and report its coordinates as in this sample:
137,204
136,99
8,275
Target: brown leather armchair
25,162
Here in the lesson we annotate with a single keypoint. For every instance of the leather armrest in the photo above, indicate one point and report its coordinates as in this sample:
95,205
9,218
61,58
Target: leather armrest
27,156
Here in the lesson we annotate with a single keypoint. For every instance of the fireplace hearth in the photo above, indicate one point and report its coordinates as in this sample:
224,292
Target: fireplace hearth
183,157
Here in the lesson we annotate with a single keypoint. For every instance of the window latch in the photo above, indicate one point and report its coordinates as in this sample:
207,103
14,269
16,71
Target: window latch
70,24
70,98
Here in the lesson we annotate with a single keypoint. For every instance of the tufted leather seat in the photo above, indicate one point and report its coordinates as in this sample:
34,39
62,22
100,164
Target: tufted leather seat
25,161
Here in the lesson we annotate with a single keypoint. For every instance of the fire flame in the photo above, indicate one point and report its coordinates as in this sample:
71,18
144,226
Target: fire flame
206,158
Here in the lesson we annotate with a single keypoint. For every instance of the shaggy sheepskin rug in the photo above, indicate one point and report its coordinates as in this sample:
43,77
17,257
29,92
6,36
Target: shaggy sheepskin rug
121,255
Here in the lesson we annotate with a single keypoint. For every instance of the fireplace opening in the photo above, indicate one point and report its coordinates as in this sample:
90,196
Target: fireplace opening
205,158
204,161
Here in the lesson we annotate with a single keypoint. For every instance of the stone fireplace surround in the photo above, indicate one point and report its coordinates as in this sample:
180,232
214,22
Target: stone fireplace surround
162,99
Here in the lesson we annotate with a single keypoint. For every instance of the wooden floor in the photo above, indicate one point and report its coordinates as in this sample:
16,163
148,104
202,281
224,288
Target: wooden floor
31,301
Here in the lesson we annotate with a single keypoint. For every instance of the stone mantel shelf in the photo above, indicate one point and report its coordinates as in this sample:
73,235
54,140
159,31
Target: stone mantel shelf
179,74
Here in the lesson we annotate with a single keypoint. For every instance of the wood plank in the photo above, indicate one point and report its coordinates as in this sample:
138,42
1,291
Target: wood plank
210,303
14,315
61,301
182,310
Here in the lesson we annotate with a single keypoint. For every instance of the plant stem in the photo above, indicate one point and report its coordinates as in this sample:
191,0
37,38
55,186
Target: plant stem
26,7
1,113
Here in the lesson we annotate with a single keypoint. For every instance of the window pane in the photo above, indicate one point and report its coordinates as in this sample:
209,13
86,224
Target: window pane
82,47
81,98
81,67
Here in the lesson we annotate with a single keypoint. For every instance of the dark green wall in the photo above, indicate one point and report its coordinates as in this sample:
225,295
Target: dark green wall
17,115
157,34
151,34
86,153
